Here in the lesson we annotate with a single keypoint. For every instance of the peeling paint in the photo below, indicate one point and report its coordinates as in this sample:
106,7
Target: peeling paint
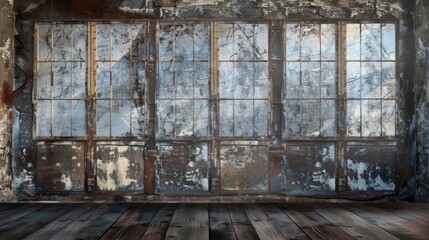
5,50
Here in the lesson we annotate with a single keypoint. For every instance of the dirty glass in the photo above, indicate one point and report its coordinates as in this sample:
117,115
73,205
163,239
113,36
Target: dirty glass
120,81
60,80
371,80
309,89
183,81
243,80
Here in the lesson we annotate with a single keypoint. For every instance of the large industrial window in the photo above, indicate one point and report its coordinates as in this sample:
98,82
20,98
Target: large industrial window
183,87
61,71
120,81
371,80
310,80
243,80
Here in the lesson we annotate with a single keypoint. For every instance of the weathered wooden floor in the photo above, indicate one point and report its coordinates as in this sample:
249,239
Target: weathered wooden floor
215,221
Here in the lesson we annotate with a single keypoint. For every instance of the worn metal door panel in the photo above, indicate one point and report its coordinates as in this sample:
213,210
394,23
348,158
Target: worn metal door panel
60,167
183,167
310,167
120,168
244,167
371,167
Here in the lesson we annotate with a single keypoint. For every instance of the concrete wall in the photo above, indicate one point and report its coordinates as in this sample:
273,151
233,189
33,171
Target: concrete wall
422,99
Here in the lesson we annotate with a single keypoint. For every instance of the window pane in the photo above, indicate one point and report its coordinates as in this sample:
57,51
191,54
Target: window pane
184,79
184,42
201,114
183,116
79,42
328,45
103,41
201,42
201,78
328,80
310,42
103,80
166,119
138,80
293,38
310,118
371,118
261,117
261,42
226,118
243,118
388,80
293,86
389,118
79,77
243,80
120,118
62,80
261,80
61,116
310,79
121,42
44,118
353,80
353,118
371,41
138,43
371,80
226,80
44,80
138,116
243,41
388,50
166,80
62,35
78,118
166,42
121,80
292,114
44,43
226,42
353,42
328,128
103,117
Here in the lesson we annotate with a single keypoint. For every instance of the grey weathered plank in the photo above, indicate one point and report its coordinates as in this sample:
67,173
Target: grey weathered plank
388,222
312,223
24,226
283,222
353,224
220,223
264,227
18,211
242,226
95,229
189,222
158,228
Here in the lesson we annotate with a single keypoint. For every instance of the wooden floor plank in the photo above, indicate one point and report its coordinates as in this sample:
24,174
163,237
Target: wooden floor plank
18,211
189,222
353,224
242,226
264,227
98,226
285,224
159,226
72,229
312,223
24,226
386,221
138,222
220,223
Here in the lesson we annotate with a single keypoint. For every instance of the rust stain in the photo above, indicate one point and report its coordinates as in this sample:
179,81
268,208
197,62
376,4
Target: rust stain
6,95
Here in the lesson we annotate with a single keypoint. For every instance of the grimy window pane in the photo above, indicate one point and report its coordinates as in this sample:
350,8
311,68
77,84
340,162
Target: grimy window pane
371,79
61,76
183,85
243,80
310,81
121,82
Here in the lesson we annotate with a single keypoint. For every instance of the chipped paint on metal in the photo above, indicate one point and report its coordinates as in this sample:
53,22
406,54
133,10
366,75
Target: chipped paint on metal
120,168
310,168
244,168
184,168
